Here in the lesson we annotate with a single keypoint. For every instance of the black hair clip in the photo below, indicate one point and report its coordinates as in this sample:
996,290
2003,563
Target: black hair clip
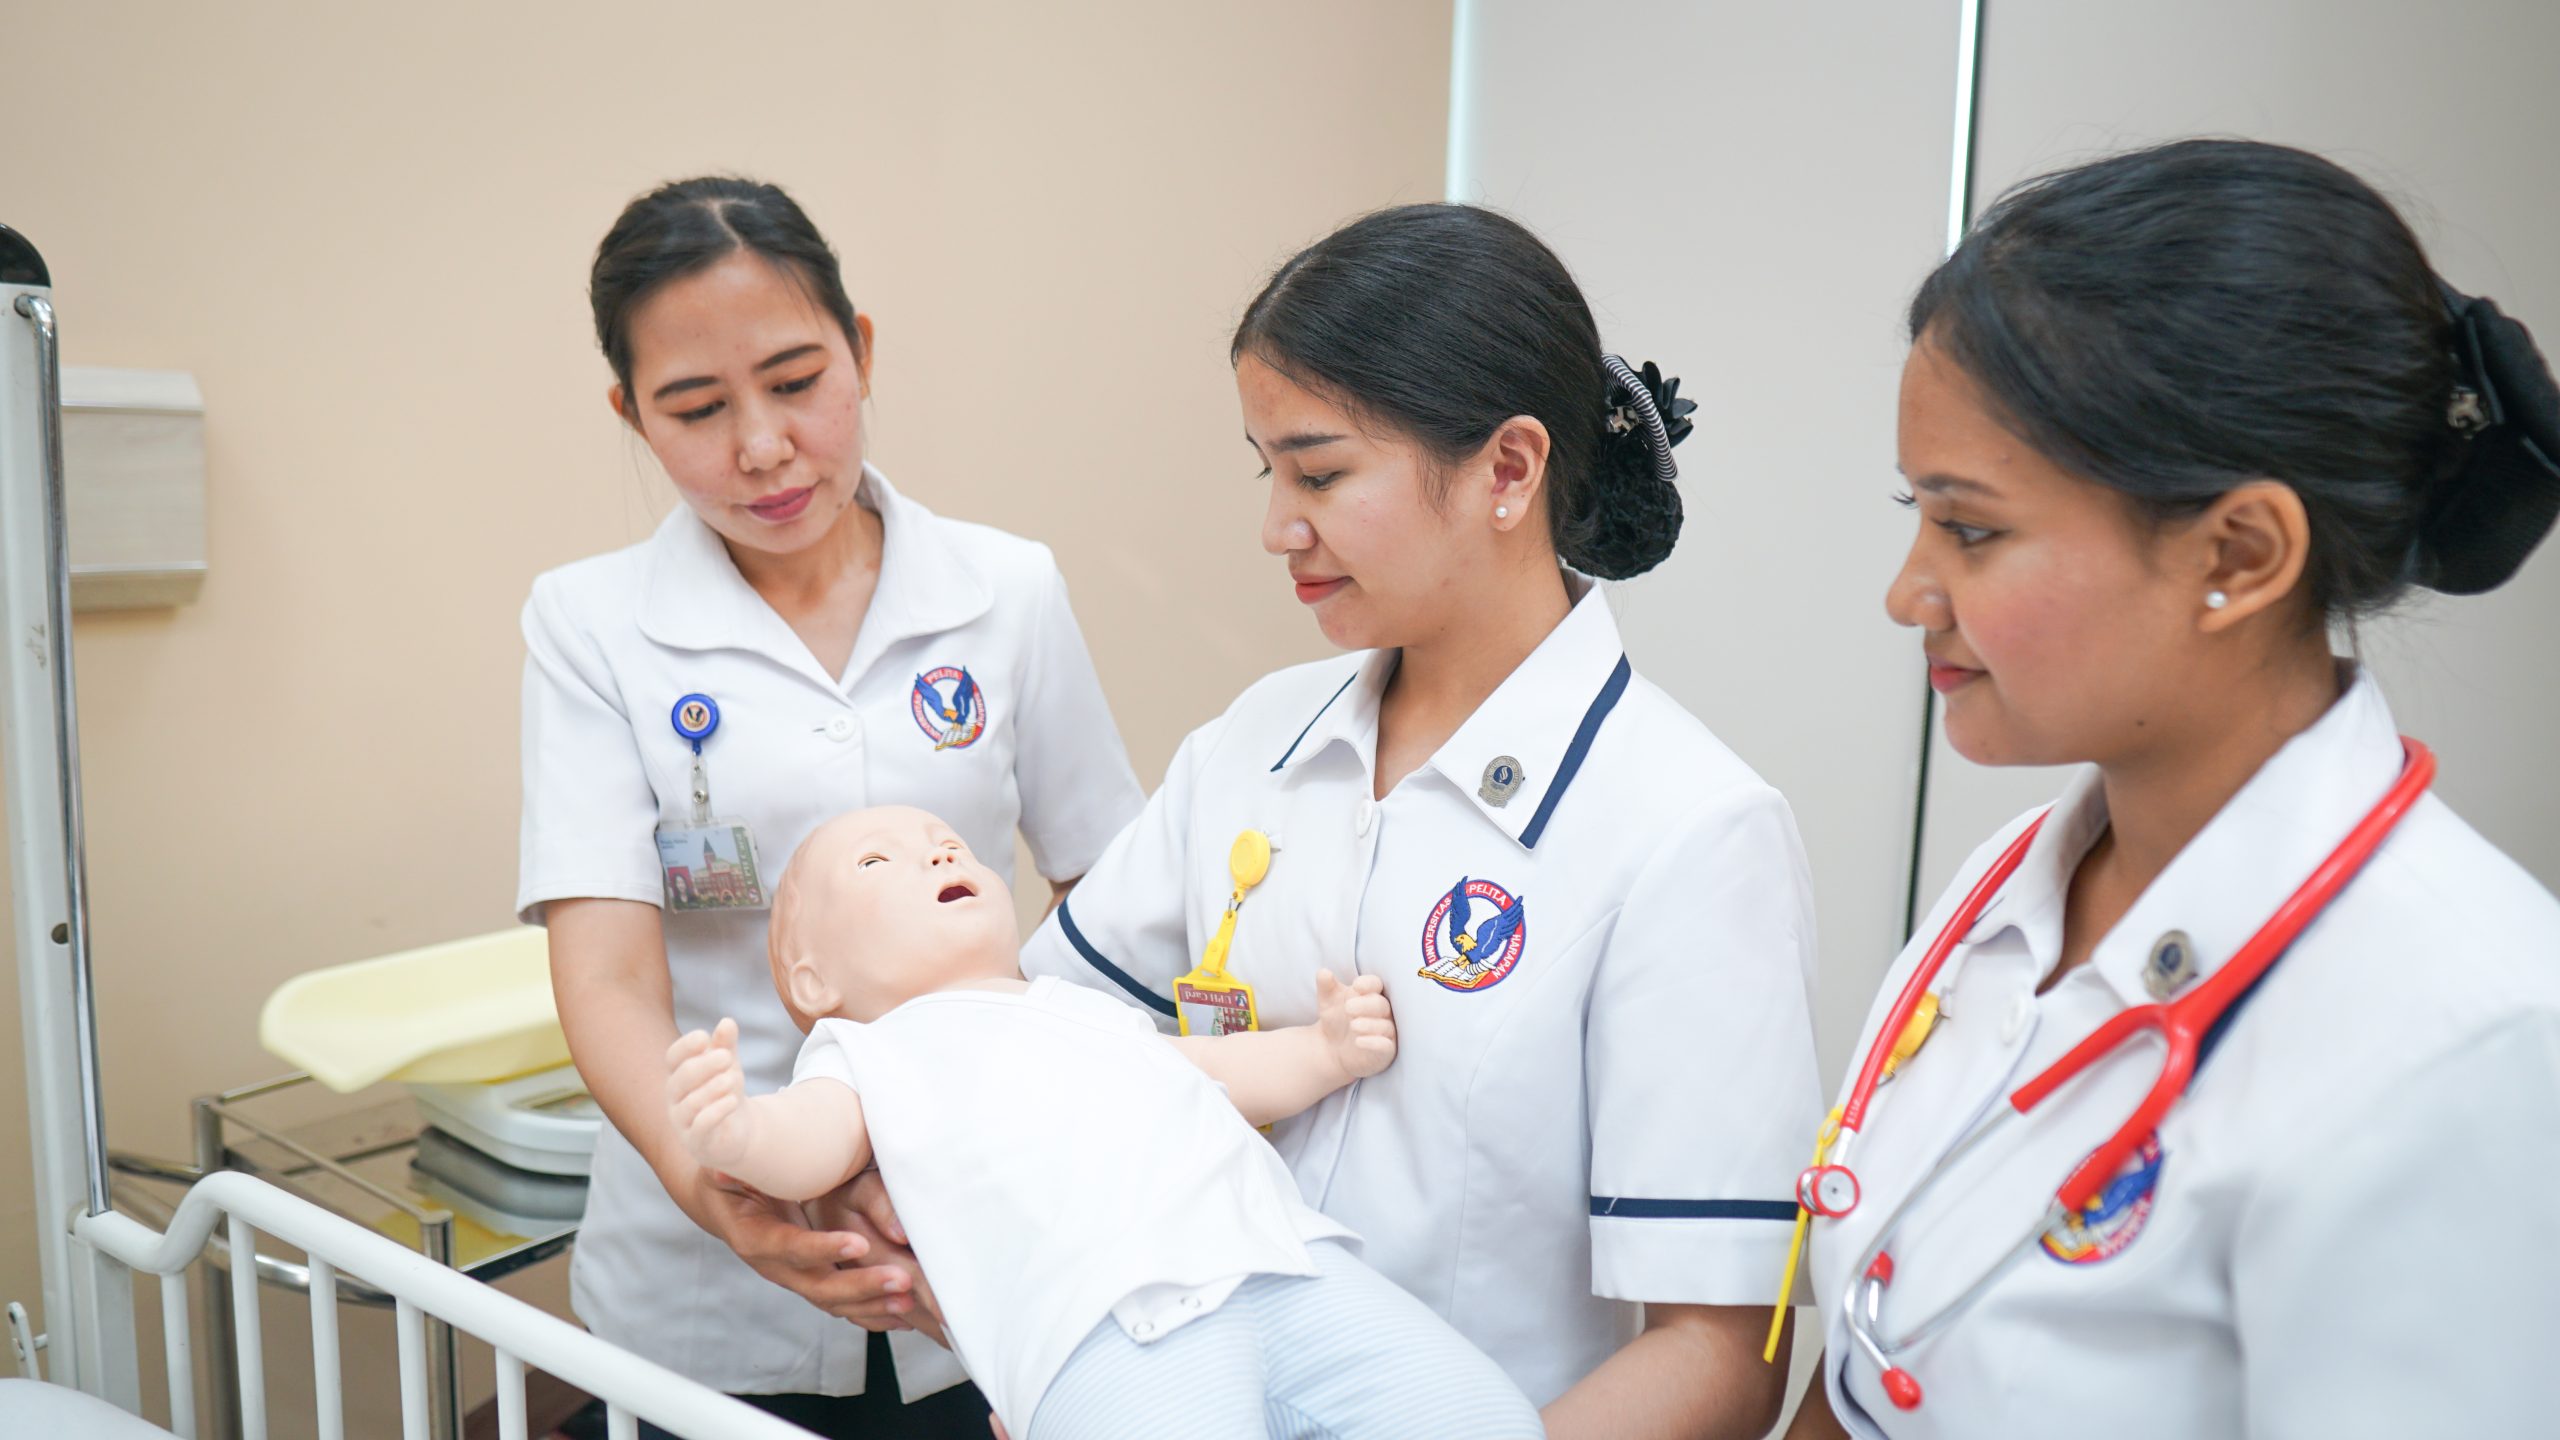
2499,504
1649,399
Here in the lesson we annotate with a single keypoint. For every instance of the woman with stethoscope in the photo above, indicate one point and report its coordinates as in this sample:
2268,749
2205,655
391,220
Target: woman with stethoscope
2219,1097
797,639
1592,919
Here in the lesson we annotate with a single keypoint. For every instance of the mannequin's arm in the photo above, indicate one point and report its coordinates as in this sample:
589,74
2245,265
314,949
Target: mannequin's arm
796,1144
1274,1074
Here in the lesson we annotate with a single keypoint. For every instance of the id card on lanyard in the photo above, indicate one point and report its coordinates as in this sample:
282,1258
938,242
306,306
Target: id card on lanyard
708,863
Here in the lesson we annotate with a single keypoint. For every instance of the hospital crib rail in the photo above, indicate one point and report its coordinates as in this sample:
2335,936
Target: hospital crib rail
633,1389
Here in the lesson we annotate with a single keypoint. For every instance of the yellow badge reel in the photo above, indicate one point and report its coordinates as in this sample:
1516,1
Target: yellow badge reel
1209,1001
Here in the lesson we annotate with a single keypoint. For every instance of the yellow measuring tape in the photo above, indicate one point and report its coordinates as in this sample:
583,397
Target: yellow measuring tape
1795,1245
1924,1019
1208,1001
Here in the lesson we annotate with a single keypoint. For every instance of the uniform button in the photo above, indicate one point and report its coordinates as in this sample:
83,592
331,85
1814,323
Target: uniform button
841,727
1143,1329
1190,1302
2021,1010
1366,817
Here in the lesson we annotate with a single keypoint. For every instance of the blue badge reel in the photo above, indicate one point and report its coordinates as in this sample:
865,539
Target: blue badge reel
708,864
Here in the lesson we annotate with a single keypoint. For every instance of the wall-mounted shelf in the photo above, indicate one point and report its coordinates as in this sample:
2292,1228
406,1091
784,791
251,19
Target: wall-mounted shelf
133,460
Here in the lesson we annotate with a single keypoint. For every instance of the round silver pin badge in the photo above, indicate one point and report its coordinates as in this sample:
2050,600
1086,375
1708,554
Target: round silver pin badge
1502,779
2172,964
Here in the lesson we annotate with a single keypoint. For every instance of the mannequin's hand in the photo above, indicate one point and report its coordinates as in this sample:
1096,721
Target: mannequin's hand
1359,1030
706,1095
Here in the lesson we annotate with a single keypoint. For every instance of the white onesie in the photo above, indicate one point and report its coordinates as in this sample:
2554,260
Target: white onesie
1055,1160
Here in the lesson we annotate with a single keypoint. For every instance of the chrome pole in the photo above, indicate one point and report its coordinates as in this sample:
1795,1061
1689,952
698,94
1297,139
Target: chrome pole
66,745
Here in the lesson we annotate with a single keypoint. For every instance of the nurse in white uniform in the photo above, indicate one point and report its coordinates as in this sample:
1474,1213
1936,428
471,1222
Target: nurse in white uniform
796,640
1592,918
2168,418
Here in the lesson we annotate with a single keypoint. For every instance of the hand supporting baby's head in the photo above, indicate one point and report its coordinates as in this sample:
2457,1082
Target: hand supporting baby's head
880,906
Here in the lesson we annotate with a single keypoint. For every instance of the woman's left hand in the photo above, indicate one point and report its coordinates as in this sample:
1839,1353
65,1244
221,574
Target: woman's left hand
862,1206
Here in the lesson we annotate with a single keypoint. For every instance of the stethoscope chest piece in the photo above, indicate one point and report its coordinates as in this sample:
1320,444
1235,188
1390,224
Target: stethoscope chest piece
1830,1191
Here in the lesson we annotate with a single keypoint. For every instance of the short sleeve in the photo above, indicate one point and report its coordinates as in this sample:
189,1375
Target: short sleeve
590,817
1122,929
1699,1057
1069,763
2390,1277
823,1057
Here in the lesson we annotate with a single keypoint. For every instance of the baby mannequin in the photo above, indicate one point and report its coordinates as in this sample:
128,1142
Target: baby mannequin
1115,1251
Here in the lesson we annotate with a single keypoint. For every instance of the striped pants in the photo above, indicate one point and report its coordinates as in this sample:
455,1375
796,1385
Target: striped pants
1342,1354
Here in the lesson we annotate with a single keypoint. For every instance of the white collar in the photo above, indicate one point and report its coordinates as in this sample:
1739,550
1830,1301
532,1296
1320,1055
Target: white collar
2225,884
697,600
1540,721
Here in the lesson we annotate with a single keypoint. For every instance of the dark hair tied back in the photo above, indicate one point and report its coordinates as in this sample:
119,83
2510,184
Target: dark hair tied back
689,226
1645,418
2176,322
2486,516
1446,321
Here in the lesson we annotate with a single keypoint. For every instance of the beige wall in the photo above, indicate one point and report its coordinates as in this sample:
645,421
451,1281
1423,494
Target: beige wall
366,232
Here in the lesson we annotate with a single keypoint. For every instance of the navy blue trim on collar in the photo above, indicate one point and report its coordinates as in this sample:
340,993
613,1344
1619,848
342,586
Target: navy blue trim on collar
1116,975
1311,724
1627,1209
2221,1026
1601,705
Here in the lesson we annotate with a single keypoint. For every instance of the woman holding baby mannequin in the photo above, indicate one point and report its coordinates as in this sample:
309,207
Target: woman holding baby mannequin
796,640
2167,419
1593,921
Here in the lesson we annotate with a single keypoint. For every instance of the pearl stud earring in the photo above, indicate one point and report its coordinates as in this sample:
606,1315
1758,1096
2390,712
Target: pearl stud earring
1501,512
2215,599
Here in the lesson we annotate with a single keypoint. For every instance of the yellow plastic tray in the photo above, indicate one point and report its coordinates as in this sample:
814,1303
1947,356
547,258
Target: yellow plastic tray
457,1013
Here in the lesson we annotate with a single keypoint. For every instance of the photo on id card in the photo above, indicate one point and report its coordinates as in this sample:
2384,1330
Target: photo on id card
710,867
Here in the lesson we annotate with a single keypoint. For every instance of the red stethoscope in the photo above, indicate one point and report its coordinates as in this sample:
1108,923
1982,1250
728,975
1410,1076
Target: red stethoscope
1829,1188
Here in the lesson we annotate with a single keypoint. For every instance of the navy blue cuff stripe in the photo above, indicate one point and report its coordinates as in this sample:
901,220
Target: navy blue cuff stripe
1117,976
1601,705
1621,1208
1311,722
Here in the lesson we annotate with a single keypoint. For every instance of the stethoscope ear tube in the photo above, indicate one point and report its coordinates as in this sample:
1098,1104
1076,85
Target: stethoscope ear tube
2185,1022
1853,1115
1828,1187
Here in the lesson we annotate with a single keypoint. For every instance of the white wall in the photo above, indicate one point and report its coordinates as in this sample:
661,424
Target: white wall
1748,194
2448,108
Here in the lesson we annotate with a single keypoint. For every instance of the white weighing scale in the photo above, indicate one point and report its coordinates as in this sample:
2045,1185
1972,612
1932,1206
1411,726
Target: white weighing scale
545,1122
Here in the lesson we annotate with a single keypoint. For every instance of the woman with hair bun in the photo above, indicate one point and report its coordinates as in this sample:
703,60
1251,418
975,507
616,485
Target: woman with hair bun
2170,419
1593,920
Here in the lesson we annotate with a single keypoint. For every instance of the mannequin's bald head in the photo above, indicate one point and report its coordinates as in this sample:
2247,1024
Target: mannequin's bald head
880,906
